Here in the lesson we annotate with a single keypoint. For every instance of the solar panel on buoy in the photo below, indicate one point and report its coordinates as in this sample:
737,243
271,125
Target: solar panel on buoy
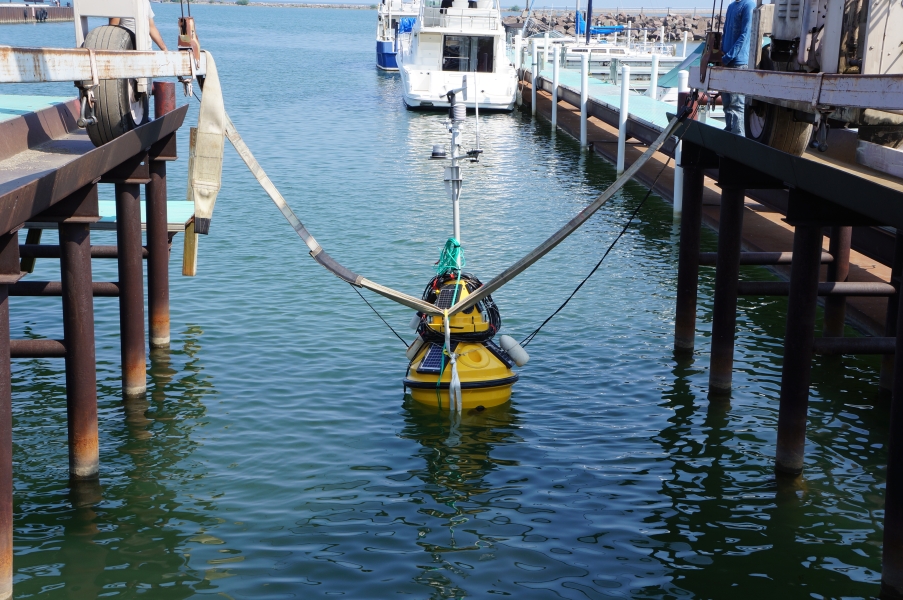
432,362
447,296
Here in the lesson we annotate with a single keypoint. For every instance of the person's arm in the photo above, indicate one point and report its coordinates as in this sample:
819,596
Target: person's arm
114,21
745,17
155,35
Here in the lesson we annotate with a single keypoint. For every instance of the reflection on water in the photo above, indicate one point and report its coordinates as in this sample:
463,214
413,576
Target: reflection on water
126,532
457,454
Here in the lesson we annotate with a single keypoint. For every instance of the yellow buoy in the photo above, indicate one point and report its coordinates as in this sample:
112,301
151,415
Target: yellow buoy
484,369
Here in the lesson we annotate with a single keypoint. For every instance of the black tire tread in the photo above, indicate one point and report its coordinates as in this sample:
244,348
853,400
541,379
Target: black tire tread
111,98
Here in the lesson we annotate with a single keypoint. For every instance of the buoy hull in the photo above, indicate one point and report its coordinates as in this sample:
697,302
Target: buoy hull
486,379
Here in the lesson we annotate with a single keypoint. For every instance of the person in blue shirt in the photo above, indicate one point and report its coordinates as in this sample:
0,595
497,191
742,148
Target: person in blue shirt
735,46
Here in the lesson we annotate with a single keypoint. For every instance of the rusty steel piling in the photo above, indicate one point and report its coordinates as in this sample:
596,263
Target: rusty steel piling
9,272
158,257
798,341
727,273
838,270
78,327
888,369
131,286
688,258
892,550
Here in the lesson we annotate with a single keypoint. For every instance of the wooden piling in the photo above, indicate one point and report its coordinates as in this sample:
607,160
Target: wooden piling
727,272
131,286
838,270
798,340
81,370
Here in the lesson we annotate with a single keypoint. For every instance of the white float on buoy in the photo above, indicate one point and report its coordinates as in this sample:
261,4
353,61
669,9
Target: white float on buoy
514,350
414,348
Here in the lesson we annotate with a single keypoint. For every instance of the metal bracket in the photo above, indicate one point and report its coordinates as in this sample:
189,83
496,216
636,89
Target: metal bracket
86,114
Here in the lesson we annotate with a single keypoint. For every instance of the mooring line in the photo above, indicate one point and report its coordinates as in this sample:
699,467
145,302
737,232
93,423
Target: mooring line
380,316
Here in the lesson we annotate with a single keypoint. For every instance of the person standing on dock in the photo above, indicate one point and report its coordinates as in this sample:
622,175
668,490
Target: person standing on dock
735,46
129,23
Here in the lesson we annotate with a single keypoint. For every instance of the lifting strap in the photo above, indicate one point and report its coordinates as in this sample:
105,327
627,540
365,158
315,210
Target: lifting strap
325,260
205,154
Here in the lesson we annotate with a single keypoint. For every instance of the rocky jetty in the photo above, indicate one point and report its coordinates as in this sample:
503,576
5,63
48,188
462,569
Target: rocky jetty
674,25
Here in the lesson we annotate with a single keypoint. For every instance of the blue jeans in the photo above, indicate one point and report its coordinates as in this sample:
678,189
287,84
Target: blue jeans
733,105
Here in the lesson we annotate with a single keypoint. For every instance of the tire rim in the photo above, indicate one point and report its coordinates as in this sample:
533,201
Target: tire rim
756,120
136,103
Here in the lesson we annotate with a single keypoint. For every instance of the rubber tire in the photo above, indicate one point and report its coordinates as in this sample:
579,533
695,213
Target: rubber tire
112,106
774,125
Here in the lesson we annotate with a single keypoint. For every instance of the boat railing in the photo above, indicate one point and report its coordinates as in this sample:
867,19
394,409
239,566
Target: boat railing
460,19
399,6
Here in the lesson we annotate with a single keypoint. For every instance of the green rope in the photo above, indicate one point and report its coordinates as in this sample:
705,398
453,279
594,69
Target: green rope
452,257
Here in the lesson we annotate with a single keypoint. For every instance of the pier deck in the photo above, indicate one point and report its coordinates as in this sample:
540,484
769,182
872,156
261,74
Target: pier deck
49,178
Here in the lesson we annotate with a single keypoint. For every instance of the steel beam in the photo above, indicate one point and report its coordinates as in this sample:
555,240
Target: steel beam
53,251
727,272
827,288
158,258
101,289
38,348
864,345
37,65
131,284
798,342
78,328
757,258
879,92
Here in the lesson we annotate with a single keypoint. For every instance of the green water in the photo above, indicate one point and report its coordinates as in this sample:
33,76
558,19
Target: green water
275,455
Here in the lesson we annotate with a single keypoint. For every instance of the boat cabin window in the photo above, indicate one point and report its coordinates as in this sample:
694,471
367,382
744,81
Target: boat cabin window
466,53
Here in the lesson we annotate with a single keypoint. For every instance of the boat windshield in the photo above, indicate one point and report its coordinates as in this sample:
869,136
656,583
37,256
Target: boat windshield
465,53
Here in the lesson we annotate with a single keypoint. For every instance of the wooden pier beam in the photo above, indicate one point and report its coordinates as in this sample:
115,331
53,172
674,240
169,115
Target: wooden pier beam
81,370
9,272
688,258
131,285
838,270
798,342
158,256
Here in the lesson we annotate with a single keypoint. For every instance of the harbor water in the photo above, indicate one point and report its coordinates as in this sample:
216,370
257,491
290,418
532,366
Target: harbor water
275,455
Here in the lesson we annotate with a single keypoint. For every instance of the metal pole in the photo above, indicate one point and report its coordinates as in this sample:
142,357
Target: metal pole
685,45
131,286
688,260
838,270
584,96
798,349
6,453
78,329
727,272
556,65
157,256
534,78
652,92
545,52
892,551
623,110
589,20
683,79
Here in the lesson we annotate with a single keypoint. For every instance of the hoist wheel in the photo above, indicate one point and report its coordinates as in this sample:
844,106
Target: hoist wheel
775,125
118,107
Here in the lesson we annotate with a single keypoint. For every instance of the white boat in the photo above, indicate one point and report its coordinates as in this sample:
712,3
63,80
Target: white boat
392,17
453,43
